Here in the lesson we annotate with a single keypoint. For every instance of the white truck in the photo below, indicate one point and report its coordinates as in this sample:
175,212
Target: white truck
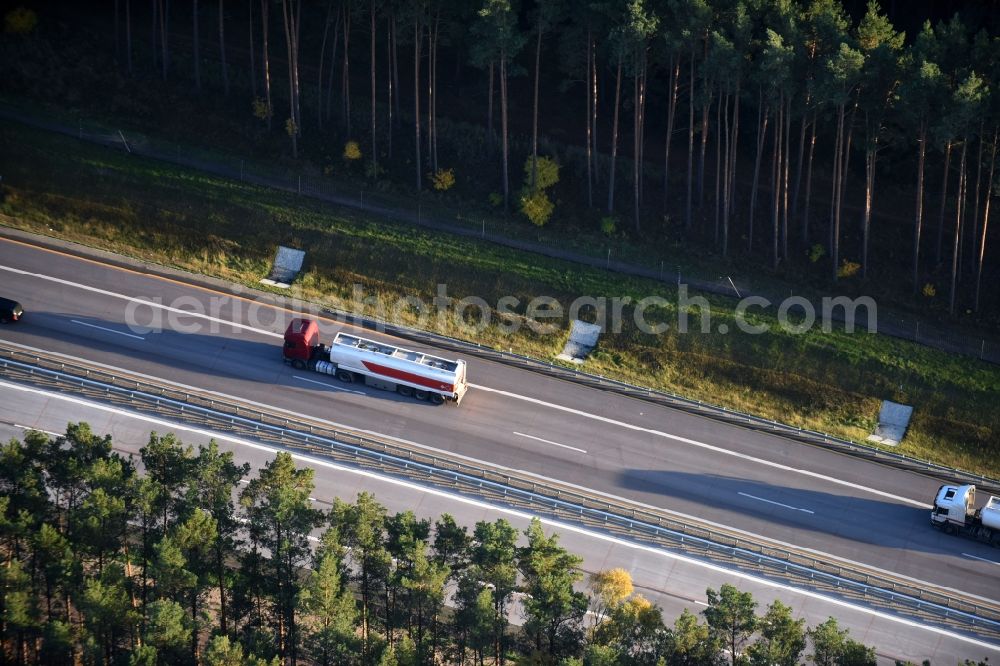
955,512
352,358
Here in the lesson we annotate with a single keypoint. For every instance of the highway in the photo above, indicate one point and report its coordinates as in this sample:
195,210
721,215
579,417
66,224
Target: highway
790,492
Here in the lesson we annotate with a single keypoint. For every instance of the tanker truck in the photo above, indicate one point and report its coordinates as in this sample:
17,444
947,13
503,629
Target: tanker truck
955,512
351,358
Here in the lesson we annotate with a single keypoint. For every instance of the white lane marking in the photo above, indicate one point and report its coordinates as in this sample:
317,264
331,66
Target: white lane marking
570,410
547,441
109,330
703,445
47,432
329,386
787,506
981,559
141,301
890,617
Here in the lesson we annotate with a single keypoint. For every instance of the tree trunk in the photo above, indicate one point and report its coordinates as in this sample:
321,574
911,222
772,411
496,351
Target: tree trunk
155,14
643,89
784,182
253,61
870,155
944,201
986,216
762,118
590,155
706,104
675,76
730,189
504,131
328,113
798,166
416,95
345,75
372,54
389,39
489,112
430,99
291,46
776,180
164,32
919,215
690,165
395,71
322,61
835,191
128,37
195,44
267,60
434,78
534,105
974,229
638,92
222,47
614,137
959,205
806,207
723,101
593,109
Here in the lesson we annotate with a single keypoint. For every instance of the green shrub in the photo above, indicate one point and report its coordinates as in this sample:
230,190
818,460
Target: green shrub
537,207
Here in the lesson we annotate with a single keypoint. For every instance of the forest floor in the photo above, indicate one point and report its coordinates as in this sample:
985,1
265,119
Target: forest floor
826,381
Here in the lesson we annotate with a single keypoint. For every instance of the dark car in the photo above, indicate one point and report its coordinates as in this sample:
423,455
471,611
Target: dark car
10,310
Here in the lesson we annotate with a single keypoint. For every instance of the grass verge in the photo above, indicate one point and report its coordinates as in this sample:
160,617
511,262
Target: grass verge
827,381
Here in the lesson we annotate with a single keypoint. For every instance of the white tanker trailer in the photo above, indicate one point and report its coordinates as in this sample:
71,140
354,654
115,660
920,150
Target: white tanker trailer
352,358
955,512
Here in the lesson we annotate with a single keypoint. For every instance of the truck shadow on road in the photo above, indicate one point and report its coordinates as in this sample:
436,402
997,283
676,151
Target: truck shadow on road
244,363
802,517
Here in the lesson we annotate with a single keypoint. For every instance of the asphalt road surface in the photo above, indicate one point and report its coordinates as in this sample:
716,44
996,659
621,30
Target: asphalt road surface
672,582
756,482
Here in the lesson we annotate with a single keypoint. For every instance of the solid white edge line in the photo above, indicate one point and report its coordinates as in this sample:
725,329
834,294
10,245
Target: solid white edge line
787,506
703,445
47,432
547,441
981,559
519,514
477,461
142,301
109,330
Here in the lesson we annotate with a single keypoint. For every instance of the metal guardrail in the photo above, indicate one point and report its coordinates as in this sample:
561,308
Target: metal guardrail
620,517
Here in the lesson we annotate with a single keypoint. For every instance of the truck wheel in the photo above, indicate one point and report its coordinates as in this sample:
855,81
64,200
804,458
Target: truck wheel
437,398
298,364
420,395
345,376
404,390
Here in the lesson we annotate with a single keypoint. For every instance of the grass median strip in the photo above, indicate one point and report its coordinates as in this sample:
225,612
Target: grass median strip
827,381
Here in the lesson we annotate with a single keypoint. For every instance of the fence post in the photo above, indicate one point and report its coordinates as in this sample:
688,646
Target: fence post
607,264
300,184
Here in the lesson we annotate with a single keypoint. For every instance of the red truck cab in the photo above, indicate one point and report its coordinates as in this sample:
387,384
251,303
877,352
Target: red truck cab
301,339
